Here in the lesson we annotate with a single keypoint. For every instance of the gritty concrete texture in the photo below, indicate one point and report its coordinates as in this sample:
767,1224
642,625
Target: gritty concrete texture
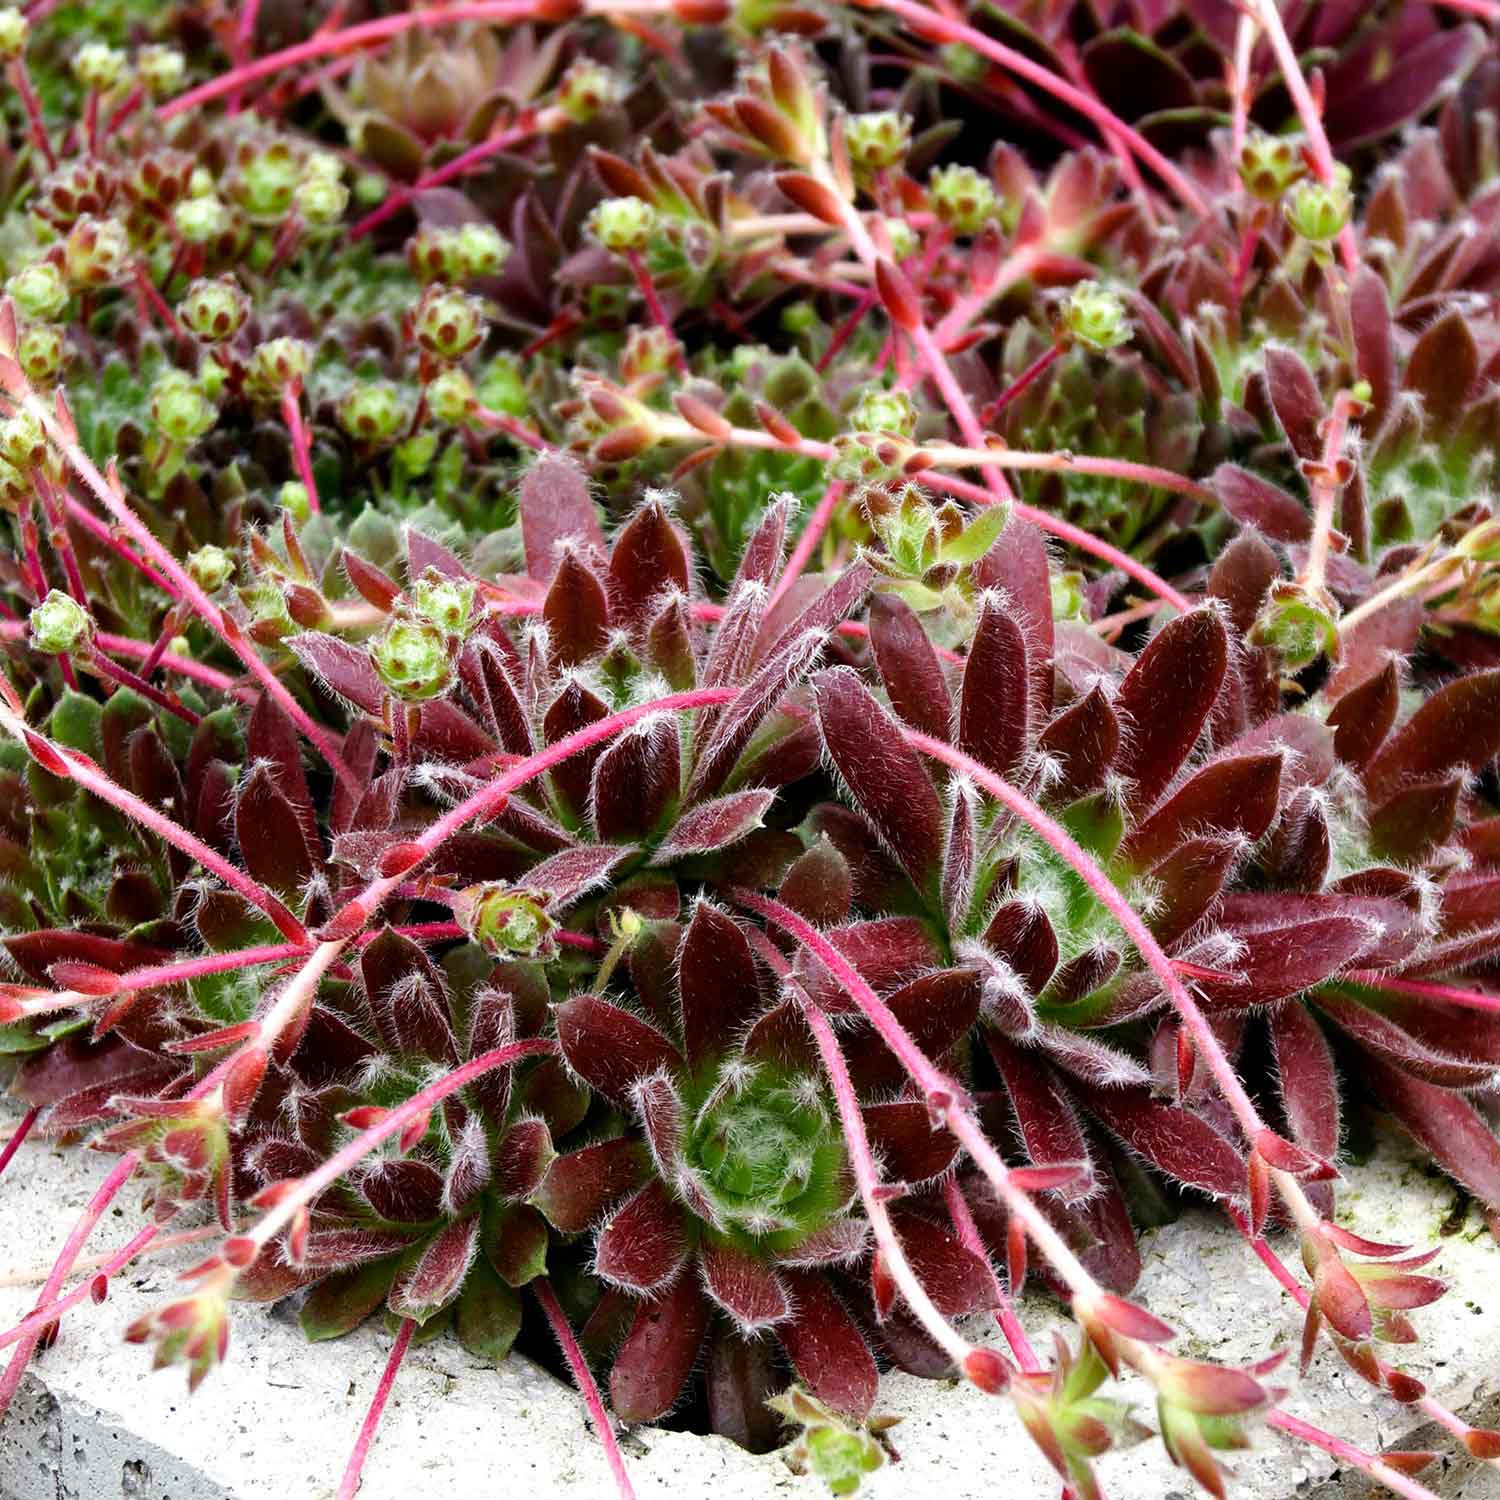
276,1423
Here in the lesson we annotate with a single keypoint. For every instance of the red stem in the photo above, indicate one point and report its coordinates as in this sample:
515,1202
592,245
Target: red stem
473,157
654,310
812,534
1472,999
587,1387
18,1135
101,664
47,1313
427,17
1033,372
350,1482
291,412
20,80
1305,1432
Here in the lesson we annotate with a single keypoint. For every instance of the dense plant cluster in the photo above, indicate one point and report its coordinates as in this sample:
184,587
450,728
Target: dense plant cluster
717,675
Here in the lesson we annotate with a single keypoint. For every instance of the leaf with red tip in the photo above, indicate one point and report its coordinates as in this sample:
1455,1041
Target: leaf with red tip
1171,1139
1165,699
908,1149
898,296
659,1352
345,670
826,1347
1363,716
988,1370
1085,740
1049,1125
583,1185
635,779
909,666
1130,1320
610,1048
1341,1299
1284,1156
883,773
86,978
1277,959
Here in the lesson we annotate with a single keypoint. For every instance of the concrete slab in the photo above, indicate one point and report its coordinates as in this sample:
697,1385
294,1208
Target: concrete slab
277,1421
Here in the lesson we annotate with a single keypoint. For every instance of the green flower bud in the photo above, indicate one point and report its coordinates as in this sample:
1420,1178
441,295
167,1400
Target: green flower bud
878,140
202,183
277,362
293,498
213,377
321,201
585,89
447,603
432,255
502,386
860,458
323,164
179,407
1320,211
479,250
622,224
161,69
1270,164
447,323
450,397
39,290
210,568
23,443
880,410
98,66
264,180
1298,626
841,1457
505,921
370,188
904,239
16,490
201,219
1067,596
40,351
962,198
215,309
13,29
1096,316
412,659
60,625
372,411
96,252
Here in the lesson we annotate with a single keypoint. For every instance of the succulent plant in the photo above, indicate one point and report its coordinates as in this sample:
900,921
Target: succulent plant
725,677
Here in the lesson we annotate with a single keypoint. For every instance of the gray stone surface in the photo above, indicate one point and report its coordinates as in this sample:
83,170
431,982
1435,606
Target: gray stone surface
94,1423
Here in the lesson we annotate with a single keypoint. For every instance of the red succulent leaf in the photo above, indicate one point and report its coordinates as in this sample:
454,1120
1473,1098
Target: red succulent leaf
642,1245
1363,716
486,674
746,1288
1165,699
1443,367
636,778
715,825
1385,1038
1189,881
1309,1083
1049,1125
404,1191
1171,1138
611,1049
741,1376
649,558
1408,826
571,873
581,1187
1084,739
659,1352
1368,98
909,667
994,702
371,583
1022,935
270,834
342,668
1295,399
826,1348
937,1009
884,775
908,1149
719,988
1275,959
515,1244
433,1280
818,885
1341,1299
761,560
576,611
1240,576
1457,727
1236,795
1444,1123
660,1110
1018,565
574,708
1254,501
408,997
555,506
523,1158
956,1279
